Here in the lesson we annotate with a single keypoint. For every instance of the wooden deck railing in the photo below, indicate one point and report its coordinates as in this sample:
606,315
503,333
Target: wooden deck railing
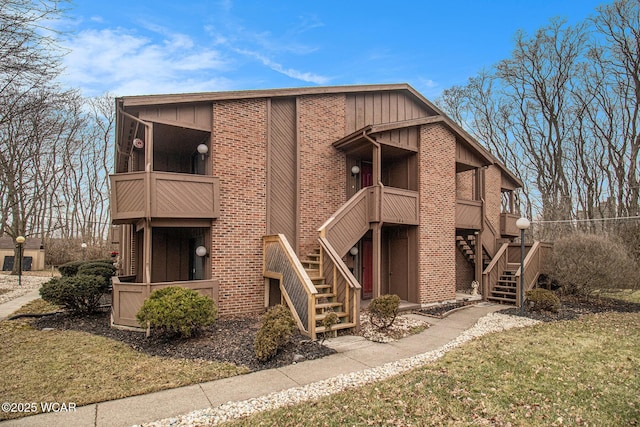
493,271
345,285
137,195
128,296
399,206
489,237
468,214
281,262
508,225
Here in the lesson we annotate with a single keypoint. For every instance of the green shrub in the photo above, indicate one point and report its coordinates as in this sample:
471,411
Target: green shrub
98,269
583,264
175,311
383,310
277,328
70,269
543,300
78,294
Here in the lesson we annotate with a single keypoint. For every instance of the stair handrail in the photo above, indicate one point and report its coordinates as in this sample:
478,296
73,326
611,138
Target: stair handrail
351,300
326,228
497,265
532,264
281,262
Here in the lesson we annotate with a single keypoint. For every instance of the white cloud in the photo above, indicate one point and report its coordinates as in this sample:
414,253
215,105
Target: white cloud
125,63
289,72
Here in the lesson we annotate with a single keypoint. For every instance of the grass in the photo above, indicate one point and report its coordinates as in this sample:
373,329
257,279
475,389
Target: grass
70,366
580,372
629,295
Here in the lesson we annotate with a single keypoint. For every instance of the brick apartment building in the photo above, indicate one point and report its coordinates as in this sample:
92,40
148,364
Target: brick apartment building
318,197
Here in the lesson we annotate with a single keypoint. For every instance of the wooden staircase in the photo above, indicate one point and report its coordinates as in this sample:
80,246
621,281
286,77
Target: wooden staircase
467,245
505,291
326,298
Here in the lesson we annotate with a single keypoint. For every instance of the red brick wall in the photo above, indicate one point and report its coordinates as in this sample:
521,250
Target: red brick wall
436,239
464,185
322,167
238,153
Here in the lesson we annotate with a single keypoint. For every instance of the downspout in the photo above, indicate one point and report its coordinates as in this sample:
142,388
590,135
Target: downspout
377,227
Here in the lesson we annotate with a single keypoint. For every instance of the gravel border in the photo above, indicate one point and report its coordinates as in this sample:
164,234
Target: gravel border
492,322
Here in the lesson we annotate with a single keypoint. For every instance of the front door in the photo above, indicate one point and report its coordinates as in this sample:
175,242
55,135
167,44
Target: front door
366,175
367,269
398,264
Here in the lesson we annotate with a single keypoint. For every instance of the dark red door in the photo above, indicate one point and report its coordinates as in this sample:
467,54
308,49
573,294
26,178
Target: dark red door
366,175
367,269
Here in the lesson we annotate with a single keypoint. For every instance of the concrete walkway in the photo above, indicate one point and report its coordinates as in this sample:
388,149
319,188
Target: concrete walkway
353,354
9,307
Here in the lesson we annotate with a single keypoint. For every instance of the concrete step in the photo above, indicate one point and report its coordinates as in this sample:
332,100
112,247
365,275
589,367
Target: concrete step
321,329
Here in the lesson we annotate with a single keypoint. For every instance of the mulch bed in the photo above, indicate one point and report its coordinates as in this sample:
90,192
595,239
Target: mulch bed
442,310
228,340
231,339
573,307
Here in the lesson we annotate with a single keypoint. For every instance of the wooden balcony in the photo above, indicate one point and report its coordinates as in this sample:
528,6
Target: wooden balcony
508,225
128,296
469,214
136,195
399,206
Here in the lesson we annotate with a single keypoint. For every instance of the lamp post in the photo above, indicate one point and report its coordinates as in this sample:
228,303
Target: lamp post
522,224
84,250
20,241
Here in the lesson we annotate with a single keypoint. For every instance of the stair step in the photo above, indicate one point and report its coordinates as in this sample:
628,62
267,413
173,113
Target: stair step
503,294
325,305
509,300
310,262
320,317
504,288
324,295
321,329
322,286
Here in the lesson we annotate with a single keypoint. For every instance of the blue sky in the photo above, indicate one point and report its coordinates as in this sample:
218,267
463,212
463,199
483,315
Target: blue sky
168,46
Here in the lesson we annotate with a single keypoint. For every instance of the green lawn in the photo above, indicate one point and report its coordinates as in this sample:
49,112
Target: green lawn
580,372
71,366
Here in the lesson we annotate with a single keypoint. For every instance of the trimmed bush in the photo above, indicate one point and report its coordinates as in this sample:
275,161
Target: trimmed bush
98,269
277,328
70,269
78,294
383,310
543,300
584,263
175,311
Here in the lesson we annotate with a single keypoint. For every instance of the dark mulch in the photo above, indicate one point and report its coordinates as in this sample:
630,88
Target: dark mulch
573,307
228,340
441,310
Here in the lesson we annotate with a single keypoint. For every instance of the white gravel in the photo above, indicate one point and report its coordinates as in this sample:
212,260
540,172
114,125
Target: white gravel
492,322
28,284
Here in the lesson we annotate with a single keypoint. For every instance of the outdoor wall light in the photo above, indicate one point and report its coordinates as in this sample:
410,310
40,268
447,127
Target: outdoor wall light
353,251
202,149
201,251
355,170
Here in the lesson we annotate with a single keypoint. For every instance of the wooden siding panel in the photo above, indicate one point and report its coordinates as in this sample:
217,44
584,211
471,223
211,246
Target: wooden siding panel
282,197
468,214
182,199
193,116
400,206
372,108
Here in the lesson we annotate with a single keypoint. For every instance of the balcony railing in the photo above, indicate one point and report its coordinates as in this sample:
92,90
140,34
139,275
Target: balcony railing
128,296
469,214
164,195
508,225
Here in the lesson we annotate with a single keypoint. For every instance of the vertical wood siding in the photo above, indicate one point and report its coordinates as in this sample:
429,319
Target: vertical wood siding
371,108
282,192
